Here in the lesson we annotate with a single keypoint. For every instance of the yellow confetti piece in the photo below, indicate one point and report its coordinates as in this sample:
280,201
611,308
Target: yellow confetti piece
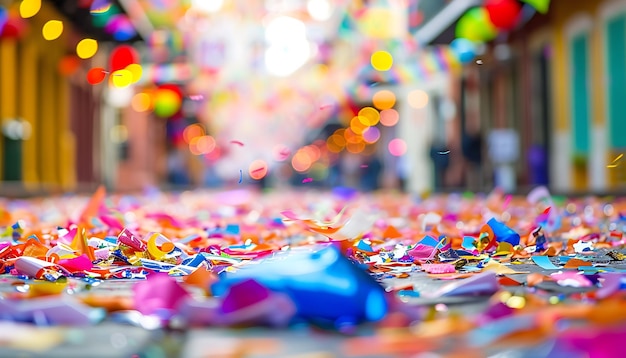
614,164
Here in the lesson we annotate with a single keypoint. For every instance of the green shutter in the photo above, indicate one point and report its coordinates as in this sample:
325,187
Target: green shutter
616,75
580,93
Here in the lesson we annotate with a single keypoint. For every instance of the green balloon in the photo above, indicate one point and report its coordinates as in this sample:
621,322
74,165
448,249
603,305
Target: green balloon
541,6
476,26
166,103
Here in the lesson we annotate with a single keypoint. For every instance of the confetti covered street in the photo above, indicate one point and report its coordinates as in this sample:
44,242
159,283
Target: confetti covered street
541,277
312,178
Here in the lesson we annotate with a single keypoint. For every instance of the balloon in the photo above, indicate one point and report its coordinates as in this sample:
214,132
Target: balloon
475,25
122,78
166,102
541,6
504,14
14,28
3,18
96,75
101,18
123,56
464,49
121,28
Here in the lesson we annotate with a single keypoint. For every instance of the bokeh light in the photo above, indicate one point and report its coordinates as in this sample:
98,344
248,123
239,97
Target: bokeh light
281,152
136,71
336,143
371,135
207,6
319,10
397,147
122,57
257,169
29,8
357,126
192,131
384,99
355,148
52,30
96,75
121,28
86,48
389,117
369,116
99,6
68,65
202,145
122,78
418,99
301,161
382,60
166,102
142,102
476,26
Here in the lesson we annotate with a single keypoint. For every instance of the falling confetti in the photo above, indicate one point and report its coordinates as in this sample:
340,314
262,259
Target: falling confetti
237,142
240,176
615,163
479,62
196,97
307,180
507,201
444,152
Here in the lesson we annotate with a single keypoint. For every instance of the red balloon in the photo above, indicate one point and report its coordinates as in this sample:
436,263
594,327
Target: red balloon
122,56
504,14
96,75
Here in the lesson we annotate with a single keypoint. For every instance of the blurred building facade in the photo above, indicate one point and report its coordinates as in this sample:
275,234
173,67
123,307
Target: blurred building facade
558,81
38,95
50,114
551,91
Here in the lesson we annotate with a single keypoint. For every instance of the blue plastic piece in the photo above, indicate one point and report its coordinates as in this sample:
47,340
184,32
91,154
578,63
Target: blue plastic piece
363,246
232,229
324,285
503,233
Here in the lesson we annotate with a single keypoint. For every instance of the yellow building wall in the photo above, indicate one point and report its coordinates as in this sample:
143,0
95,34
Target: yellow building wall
563,12
41,98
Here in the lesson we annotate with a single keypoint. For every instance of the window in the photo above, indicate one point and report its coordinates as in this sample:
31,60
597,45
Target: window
580,104
616,77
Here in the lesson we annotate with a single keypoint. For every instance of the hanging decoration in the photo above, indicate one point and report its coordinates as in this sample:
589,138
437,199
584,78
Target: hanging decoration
504,14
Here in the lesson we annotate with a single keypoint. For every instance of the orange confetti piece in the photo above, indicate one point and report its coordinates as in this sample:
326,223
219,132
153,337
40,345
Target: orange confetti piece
92,207
576,263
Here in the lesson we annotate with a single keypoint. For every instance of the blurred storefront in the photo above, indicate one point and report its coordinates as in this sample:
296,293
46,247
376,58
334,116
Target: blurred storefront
50,114
590,46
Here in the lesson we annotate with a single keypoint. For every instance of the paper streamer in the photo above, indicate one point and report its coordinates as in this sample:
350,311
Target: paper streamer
544,262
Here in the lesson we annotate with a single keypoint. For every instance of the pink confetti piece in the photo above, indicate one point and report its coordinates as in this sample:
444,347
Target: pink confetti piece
159,292
325,106
237,142
307,180
438,268
197,97
507,201
364,165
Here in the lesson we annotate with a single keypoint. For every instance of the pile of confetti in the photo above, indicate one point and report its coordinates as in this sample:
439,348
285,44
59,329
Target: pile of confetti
548,273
